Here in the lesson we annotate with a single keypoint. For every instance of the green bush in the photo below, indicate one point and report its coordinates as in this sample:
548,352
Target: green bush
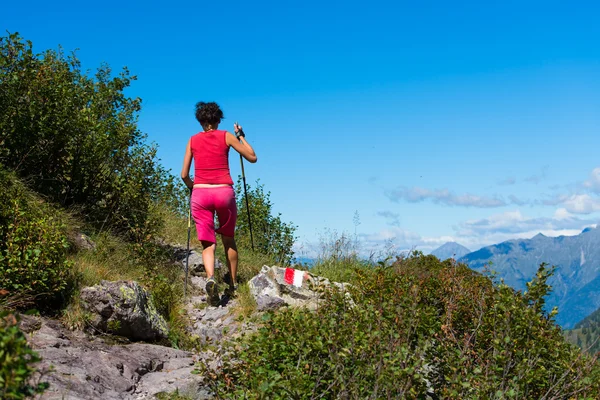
272,236
75,139
33,244
417,326
16,362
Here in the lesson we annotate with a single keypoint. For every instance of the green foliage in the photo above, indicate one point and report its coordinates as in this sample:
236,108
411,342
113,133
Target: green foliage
74,138
149,263
586,333
414,326
33,244
16,362
172,396
163,279
271,235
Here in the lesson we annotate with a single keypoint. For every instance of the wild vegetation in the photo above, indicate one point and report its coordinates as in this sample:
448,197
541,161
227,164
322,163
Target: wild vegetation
73,161
586,334
16,362
271,235
33,244
413,326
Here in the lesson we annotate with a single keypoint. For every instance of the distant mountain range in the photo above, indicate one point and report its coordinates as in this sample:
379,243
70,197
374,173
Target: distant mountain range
450,250
576,282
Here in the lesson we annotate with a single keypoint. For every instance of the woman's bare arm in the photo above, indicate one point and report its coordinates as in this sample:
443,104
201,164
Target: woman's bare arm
187,163
241,146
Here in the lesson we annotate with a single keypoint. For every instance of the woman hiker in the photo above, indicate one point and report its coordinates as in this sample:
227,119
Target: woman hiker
212,189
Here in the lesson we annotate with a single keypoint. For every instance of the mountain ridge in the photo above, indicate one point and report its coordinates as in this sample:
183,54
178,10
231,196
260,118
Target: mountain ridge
576,282
450,250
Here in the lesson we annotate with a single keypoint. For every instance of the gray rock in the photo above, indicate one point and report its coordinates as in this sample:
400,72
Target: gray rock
89,368
215,313
265,302
124,308
195,262
271,291
29,323
83,241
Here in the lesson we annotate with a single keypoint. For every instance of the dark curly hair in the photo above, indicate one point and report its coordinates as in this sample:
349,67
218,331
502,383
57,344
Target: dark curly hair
208,113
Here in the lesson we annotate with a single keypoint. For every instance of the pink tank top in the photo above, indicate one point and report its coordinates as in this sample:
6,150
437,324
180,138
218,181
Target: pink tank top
211,158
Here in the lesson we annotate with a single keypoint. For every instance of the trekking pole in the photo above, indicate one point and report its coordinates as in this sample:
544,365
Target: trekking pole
246,193
187,253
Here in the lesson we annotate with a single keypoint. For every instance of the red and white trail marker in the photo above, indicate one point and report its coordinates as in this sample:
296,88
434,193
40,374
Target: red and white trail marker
294,277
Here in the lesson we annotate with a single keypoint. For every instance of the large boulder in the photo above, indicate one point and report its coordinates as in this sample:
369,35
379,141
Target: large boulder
83,367
124,308
275,287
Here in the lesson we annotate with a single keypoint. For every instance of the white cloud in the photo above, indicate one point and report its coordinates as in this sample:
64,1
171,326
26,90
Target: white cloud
581,203
473,234
392,218
444,197
511,180
515,223
582,198
535,179
593,183
562,213
516,201
400,237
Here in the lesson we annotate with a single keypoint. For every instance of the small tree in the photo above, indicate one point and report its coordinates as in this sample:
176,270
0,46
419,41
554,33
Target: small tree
271,235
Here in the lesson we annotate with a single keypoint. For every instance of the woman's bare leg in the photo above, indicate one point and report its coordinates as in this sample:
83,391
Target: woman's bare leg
231,253
208,258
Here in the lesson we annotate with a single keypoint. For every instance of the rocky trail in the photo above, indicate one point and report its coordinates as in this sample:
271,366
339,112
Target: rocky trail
79,365
86,365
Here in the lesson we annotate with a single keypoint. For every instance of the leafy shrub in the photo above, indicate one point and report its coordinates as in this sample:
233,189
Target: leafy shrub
272,236
75,138
33,244
417,326
16,362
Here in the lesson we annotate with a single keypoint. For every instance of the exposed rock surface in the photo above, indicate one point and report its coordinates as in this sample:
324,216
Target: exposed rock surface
78,366
195,263
82,241
213,324
123,308
271,290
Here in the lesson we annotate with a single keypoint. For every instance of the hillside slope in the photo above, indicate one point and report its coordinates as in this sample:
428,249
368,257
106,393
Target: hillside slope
576,282
586,333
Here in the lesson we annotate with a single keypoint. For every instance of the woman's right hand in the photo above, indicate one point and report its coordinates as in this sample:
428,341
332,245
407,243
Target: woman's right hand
237,128
241,146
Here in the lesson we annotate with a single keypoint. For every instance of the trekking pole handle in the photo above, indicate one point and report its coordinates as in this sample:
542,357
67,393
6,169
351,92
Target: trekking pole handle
240,132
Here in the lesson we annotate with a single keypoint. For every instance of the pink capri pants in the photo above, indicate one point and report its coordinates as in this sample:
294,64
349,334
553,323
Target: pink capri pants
207,201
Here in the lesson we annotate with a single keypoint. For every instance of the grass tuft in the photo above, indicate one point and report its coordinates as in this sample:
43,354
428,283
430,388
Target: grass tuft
246,304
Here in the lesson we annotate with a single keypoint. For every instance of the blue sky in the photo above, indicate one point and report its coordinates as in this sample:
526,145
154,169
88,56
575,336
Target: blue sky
469,121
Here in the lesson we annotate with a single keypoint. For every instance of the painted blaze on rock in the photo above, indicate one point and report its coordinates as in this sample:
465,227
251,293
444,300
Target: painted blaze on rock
275,287
124,308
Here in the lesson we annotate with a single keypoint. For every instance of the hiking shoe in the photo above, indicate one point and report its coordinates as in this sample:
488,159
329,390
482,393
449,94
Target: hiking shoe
230,291
212,290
